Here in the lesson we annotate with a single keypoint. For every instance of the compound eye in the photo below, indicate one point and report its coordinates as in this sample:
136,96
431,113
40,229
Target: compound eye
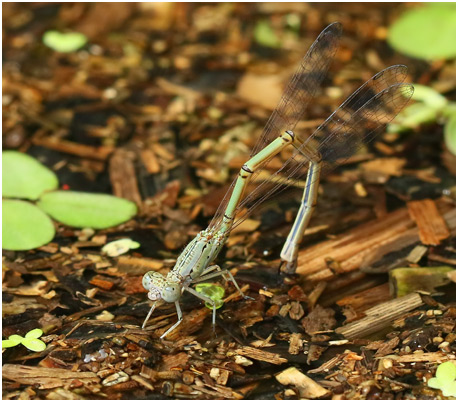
171,293
151,279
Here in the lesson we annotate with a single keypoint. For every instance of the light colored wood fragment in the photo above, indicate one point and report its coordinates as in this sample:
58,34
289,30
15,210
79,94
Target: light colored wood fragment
295,344
143,382
326,366
433,357
138,266
46,378
380,316
360,245
261,355
73,148
150,161
431,224
417,254
307,388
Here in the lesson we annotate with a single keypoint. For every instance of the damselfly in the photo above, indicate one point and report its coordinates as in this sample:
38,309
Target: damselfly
355,123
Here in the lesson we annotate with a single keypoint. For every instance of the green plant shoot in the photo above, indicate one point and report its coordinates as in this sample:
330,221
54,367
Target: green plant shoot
212,291
30,341
445,379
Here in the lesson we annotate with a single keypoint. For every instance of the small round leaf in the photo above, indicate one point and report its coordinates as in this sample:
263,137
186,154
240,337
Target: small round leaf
24,226
25,177
446,371
10,343
87,210
64,42
34,333
212,291
35,345
265,35
427,32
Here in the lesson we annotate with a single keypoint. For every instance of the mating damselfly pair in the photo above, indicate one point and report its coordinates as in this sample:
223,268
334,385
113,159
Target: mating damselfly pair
354,124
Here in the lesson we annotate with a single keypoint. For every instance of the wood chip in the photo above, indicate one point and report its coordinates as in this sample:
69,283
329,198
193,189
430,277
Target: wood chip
138,266
261,355
433,357
354,248
122,176
46,378
431,224
307,388
69,147
150,161
380,316
295,344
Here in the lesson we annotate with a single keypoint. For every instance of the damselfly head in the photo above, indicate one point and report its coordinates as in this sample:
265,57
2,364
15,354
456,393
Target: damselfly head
154,282
159,287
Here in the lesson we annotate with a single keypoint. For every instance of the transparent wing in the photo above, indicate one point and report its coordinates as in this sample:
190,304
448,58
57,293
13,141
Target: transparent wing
338,138
302,87
300,90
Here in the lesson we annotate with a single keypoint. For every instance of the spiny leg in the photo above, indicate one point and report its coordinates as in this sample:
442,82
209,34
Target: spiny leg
247,170
206,299
149,314
222,273
291,247
180,318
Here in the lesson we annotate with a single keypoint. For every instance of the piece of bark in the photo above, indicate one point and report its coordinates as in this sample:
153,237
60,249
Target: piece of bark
138,266
122,176
394,231
380,316
308,389
361,301
261,355
150,161
46,378
69,147
431,224
319,319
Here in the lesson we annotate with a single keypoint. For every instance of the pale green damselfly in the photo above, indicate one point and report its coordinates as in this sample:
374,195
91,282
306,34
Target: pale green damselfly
355,123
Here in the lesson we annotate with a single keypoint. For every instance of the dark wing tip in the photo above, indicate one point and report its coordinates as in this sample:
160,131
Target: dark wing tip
335,27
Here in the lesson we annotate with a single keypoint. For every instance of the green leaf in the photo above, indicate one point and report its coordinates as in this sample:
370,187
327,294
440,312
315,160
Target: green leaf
450,134
445,379
25,177
265,36
24,226
426,32
429,96
449,389
87,210
214,292
64,42
10,343
118,247
34,333
35,345
413,116
16,338
446,372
